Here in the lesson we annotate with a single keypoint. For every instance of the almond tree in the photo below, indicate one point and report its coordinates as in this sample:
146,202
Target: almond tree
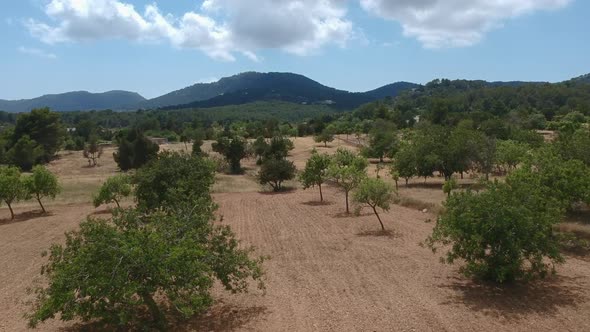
375,193
315,172
12,188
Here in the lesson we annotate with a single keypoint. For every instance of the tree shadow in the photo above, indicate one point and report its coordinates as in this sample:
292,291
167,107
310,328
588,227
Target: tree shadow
379,233
517,301
317,203
284,191
25,216
222,317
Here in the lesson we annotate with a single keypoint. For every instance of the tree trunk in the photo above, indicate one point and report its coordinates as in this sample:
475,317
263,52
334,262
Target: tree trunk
378,218
41,204
347,210
117,202
158,317
461,175
325,144
487,176
11,212
407,181
321,195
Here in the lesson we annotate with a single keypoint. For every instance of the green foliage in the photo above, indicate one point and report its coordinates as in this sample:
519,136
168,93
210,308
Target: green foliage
174,177
383,141
12,188
449,186
316,171
405,162
92,151
114,190
134,150
25,153
325,137
275,171
41,184
504,233
347,170
234,150
43,127
375,193
510,153
113,271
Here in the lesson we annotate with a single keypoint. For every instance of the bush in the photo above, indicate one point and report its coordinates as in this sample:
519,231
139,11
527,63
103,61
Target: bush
42,183
114,190
275,171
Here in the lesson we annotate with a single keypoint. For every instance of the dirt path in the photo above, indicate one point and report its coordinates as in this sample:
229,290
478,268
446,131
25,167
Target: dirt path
327,272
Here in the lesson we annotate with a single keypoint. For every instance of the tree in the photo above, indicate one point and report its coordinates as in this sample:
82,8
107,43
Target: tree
405,162
382,141
25,153
449,186
325,137
504,233
42,183
275,171
347,170
315,172
115,271
11,187
510,153
114,190
375,193
173,177
43,127
134,150
395,176
92,151
259,147
278,148
234,150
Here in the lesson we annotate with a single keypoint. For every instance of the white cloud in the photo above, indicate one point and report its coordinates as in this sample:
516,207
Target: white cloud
36,52
454,23
221,29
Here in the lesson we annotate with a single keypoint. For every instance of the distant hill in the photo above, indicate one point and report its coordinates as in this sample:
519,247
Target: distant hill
76,101
251,87
581,79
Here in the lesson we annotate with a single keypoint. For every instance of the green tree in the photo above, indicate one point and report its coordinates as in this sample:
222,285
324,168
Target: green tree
394,176
12,188
171,178
114,190
510,153
504,233
134,150
325,137
234,150
382,141
43,127
115,271
375,193
405,162
347,170
316,172
92,151
42,183
449,186
259,148
275,171
25,153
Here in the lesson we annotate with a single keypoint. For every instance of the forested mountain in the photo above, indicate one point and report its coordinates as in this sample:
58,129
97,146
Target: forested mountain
251,87
75,101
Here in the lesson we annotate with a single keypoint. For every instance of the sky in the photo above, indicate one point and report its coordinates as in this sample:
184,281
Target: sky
157,46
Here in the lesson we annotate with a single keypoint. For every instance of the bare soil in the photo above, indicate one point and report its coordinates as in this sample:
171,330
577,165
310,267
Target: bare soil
327,271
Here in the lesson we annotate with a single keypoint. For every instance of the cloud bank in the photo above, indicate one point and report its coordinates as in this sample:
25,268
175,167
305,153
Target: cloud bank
224,28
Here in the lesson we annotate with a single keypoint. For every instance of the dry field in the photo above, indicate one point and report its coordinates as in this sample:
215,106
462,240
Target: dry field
327,271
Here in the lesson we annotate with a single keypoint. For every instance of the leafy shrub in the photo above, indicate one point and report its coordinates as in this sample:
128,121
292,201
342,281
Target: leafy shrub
276,171
115,189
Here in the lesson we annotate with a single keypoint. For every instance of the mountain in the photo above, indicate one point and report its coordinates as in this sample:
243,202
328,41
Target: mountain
251,87
76,101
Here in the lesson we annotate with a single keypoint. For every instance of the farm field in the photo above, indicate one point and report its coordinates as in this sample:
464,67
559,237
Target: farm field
326,272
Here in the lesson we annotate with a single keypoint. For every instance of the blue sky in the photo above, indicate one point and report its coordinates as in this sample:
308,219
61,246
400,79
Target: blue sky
54,46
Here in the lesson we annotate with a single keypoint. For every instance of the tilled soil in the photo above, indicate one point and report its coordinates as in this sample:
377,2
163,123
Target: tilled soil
326,272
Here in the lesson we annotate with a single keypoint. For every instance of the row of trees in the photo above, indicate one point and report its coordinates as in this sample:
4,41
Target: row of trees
39,185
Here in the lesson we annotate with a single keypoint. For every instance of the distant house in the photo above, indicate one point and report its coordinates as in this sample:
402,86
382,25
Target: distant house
158,140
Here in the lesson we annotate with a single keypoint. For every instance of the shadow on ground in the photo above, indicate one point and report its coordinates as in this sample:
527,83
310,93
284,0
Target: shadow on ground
25,216
518,301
